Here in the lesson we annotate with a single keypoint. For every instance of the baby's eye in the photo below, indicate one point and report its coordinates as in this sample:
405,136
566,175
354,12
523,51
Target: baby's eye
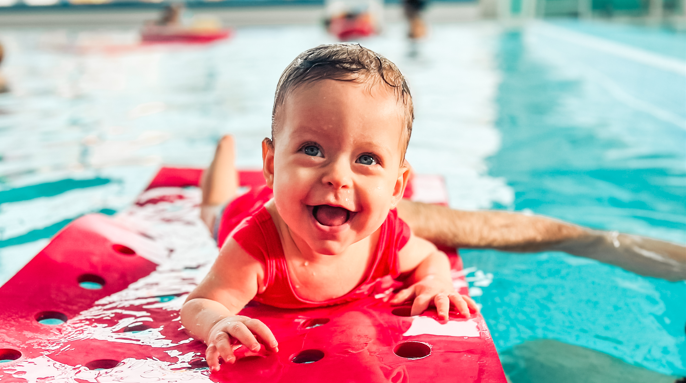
312,150
366,159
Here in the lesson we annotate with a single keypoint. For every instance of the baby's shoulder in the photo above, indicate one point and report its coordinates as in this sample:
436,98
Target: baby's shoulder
234,255
257,235
237,264
234,279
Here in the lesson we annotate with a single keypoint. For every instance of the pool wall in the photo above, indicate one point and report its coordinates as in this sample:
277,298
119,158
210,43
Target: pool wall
231,13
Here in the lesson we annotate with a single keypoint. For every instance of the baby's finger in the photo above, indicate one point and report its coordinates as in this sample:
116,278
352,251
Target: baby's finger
460,304
241,333
403,295
265,334
421,303
212,357
442,303
470,302
224,348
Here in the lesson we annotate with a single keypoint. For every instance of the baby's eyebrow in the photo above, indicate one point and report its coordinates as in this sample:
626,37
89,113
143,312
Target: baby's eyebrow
376,148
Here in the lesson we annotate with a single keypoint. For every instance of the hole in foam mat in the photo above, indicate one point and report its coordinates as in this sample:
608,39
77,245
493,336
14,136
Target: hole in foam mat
402,311
413,350
166,298
137,328
199,364
315,322
308,356
91,281
123,250
51,318
102,364
9,355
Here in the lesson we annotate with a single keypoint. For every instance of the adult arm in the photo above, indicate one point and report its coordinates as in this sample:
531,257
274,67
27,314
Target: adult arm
530,233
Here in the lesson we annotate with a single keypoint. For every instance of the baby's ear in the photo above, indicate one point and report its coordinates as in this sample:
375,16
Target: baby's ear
268,162
401,183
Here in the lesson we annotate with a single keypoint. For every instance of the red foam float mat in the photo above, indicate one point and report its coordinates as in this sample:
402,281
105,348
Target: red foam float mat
119,282
351,28
161,35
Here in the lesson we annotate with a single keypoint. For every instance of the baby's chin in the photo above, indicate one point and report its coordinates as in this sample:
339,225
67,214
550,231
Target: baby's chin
337,243
330,243
329,247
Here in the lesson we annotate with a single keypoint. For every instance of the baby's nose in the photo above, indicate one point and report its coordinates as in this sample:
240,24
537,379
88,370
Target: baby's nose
338,175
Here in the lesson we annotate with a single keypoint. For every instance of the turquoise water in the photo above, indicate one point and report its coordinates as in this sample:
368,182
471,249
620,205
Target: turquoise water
582,122
600,141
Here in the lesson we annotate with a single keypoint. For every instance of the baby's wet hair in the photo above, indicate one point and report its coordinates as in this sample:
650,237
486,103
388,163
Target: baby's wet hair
343,62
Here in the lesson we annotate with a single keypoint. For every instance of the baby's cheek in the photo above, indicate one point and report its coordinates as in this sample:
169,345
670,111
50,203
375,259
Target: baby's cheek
290,185
283,199
376,186
374,217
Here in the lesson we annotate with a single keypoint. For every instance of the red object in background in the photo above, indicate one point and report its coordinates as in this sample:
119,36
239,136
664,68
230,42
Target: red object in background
351,28
158,35
362,341
176,177
184,177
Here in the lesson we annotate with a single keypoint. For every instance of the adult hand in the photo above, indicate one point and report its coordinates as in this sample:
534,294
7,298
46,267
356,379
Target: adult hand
641,255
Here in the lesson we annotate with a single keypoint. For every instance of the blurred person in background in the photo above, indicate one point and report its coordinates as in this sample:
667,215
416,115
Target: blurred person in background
171,16
3,82
174,26
417,28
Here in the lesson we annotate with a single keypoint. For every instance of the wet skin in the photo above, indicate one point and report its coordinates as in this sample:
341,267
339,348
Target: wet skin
336,168
339,144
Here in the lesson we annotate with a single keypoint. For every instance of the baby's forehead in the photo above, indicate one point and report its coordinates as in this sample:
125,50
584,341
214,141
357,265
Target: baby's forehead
372,85
315,93
324,102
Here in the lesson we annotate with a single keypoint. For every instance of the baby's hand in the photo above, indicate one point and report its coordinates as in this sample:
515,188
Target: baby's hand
230,333
430,290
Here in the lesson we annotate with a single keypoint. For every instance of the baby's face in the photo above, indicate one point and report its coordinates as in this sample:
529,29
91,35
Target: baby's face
335,166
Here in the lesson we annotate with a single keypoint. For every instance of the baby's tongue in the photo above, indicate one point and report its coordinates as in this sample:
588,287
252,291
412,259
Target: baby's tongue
330,215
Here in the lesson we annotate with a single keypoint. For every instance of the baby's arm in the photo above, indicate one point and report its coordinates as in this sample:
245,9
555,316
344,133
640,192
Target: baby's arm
430,280
209,312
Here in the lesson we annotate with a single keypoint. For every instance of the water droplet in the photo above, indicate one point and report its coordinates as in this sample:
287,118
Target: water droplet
305,263
297,287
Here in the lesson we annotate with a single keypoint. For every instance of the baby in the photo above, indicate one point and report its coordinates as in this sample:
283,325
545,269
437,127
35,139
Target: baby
325,228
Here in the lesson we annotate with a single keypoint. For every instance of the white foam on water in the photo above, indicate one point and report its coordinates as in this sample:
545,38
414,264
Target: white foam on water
43,369
13,258
22,217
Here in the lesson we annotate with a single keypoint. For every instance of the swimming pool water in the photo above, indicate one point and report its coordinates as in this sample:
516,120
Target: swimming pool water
579,121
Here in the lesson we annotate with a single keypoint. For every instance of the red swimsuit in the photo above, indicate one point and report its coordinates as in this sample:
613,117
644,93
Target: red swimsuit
251,226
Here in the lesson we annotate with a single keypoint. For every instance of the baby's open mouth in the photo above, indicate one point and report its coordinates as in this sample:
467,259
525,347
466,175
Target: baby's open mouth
330,215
